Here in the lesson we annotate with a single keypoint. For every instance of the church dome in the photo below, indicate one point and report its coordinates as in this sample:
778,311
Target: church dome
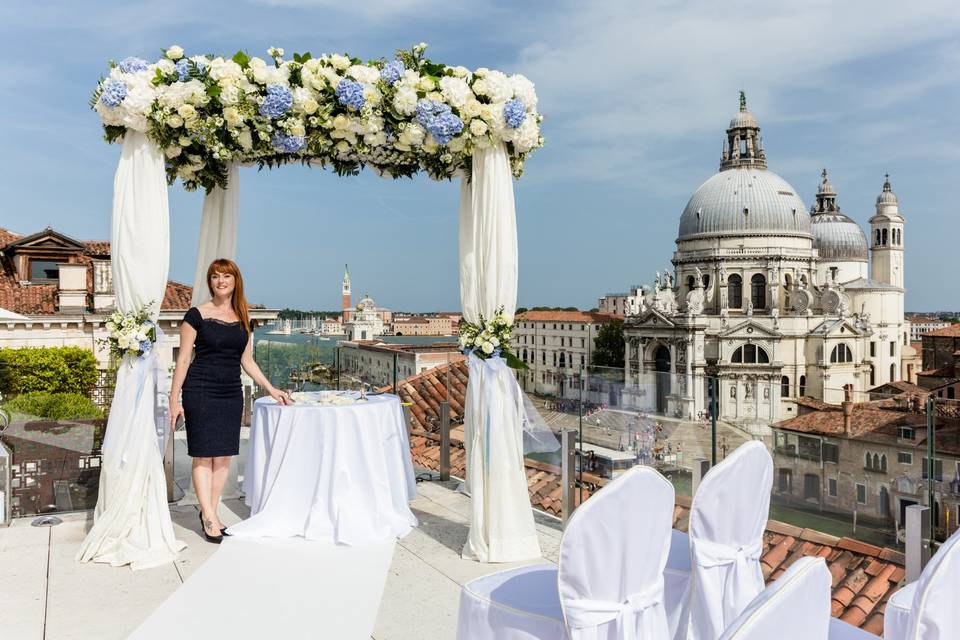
887,196
837,237
745,200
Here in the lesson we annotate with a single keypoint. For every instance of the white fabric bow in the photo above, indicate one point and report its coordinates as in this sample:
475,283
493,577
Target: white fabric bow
744,560
583,613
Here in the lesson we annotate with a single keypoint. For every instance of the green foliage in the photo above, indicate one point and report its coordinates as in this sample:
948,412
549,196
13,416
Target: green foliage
54,406
52,369
609,345
242,59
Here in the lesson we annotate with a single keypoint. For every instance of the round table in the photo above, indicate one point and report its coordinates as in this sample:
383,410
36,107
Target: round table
339,473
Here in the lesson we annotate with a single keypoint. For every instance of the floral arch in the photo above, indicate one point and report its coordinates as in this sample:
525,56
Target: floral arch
199,118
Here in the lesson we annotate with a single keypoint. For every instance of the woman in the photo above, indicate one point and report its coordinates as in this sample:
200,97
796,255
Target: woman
221,334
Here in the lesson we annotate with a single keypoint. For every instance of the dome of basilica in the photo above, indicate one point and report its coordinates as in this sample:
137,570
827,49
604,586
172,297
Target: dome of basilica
837,237
744,200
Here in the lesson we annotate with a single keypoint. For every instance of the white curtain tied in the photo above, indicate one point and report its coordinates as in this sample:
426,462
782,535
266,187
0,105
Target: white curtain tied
132,521
218,231
589,614
501,527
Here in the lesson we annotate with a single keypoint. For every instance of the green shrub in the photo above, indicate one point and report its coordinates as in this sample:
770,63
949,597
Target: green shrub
54,406
52,369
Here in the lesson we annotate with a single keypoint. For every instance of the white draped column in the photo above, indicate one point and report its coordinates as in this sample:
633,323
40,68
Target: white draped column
218,231
501,525
132,521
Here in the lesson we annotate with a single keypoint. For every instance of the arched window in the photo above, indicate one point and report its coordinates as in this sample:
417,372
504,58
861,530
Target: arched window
758,291
877,241
802,386
866,460
840,354
876,462
563,360
784,387
883,463
691,281
873,376
735,291
706,280
524,355
893,372
884,236
750,354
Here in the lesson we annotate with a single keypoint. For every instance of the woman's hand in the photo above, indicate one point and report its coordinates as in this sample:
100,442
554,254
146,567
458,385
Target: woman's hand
282,397
176,412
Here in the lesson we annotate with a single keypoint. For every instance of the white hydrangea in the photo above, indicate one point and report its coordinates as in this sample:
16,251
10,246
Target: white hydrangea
245,139
478,127
412,135
232,116
363,73
225,72
339,62
132,112
524,90
405,101
173,96
304,101
498,86
456,92
230,95
526,137
331,76
165,66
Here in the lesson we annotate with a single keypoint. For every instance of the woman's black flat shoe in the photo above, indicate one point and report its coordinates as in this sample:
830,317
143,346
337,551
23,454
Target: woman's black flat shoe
208,537
223,532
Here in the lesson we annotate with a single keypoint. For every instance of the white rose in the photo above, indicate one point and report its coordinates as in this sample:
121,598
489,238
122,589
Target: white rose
481,72
473,108
487,348
461,72
175,52
426,84
341,121
184,141
245,139
296,128
480,87
477,341
339,62
172,151
343,146
187,111
457,144
174,121
256,63
310,106
412,135
494,341
230,95
363,73
372,95
165,66
225,72
478,127
232,116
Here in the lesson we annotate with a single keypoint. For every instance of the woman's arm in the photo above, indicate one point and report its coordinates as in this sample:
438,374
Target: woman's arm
188,336
252,369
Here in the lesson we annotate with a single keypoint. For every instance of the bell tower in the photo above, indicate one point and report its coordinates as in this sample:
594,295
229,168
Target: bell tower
346,293
886,238
744,146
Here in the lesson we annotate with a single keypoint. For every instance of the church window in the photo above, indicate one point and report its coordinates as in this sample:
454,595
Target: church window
735,291
833,273
44,270
690,282
758,291
563,361
883,463
893,347
841,354
893,372
884,236
784,387
543,357
554,358
706,280
524,355
877,240
802,386
873,349
750,354
873,376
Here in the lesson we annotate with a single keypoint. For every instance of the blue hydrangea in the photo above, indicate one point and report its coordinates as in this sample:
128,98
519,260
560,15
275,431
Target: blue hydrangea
183,69
145,346
437,118
392,71
514,113
350,94
133,64
113,93
277,102
287,143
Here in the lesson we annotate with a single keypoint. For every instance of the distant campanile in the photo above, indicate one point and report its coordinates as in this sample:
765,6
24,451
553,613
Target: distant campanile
346,292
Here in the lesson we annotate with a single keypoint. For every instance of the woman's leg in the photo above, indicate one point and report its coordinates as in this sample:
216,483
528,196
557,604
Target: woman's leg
202,483
221,470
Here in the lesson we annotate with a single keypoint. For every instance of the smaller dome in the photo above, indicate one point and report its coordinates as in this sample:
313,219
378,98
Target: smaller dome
887,196
743,119
838,238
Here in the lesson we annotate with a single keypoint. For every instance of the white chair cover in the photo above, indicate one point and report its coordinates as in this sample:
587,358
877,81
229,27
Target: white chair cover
132,522
840,630
727,520
501,523
612,557
935,610
896,615
795,607
610,579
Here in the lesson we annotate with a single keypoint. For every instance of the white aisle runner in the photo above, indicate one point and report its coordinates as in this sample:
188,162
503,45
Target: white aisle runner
276,588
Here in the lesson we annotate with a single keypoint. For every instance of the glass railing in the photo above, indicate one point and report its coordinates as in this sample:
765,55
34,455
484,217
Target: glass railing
50,447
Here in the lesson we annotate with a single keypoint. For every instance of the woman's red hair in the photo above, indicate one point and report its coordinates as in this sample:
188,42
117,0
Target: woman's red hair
239,301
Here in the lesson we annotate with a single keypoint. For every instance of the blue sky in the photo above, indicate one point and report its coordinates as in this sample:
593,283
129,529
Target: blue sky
636,97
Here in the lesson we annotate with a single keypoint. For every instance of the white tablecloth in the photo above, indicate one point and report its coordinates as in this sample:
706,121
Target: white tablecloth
336,473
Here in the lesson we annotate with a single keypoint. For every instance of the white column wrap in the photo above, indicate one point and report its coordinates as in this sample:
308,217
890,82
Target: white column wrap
501,527
132,521
218,231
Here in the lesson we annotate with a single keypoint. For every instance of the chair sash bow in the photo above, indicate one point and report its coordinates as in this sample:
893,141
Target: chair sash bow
583,613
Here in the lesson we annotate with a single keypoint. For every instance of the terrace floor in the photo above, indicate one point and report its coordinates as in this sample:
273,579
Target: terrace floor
46,595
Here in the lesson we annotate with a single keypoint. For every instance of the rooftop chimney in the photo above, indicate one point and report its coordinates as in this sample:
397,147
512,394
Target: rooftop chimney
847,408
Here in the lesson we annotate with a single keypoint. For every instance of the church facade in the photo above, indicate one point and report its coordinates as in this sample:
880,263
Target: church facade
768,299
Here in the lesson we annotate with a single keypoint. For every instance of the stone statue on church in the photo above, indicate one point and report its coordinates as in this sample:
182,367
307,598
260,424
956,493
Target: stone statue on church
749,307
657,280
699,276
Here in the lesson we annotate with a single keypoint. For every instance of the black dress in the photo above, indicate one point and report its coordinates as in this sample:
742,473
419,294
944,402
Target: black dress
212,392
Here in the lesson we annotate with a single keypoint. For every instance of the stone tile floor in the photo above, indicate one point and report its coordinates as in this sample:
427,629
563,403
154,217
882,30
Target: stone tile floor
46,595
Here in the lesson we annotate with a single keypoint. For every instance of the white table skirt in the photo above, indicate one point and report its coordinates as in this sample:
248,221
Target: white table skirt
335,473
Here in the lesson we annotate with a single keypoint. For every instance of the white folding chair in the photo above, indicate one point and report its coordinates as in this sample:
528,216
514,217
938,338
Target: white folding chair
794,607
727,520
609,582
934,608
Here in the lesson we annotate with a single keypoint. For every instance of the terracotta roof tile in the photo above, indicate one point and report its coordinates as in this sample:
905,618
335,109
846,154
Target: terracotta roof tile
953,331
567,316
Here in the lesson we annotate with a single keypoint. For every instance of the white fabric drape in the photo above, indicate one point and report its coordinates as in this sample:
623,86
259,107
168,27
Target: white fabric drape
934,614
132,521
795,607
218,231
501,526
727,519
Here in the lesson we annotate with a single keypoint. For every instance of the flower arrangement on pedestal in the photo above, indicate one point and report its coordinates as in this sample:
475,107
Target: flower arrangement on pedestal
397,116
490,339
132,334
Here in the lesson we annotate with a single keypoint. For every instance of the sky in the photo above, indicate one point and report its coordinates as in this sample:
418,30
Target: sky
635,94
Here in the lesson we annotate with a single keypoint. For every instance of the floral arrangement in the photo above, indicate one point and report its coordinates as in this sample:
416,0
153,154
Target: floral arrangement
490,339
397,116
131,334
